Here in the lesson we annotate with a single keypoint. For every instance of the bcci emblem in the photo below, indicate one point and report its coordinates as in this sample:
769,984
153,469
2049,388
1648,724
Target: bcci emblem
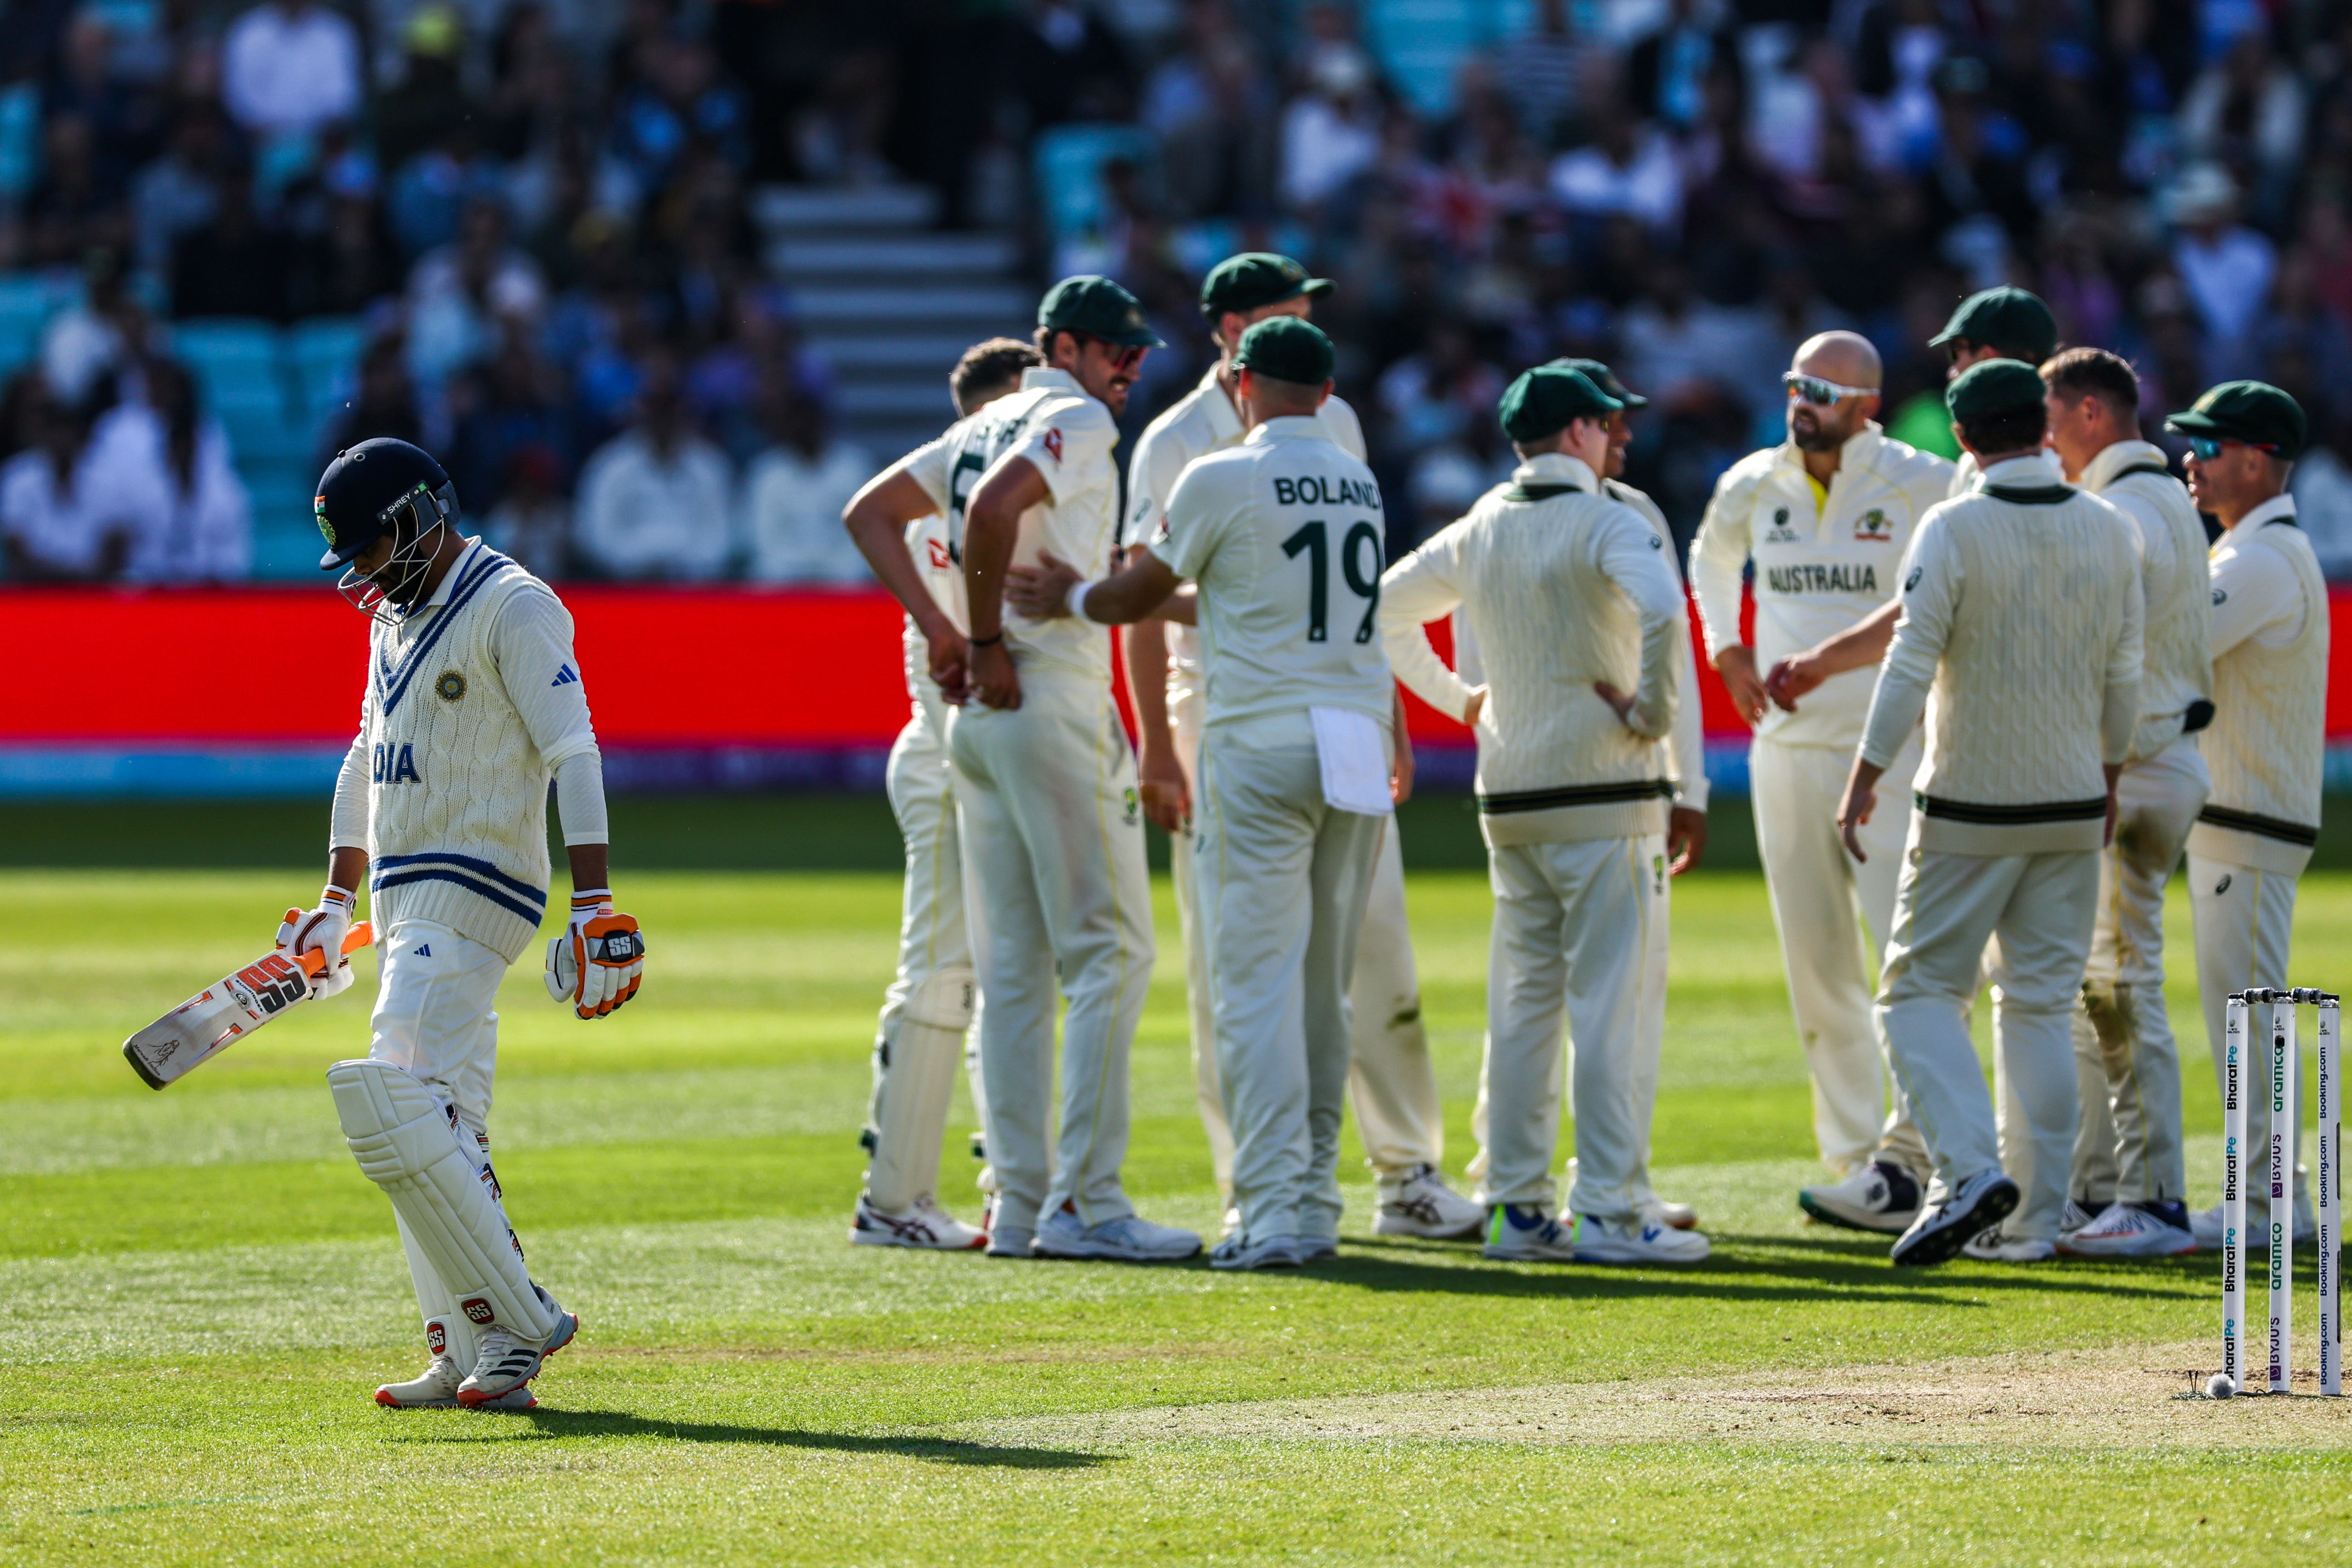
1872,527
450,687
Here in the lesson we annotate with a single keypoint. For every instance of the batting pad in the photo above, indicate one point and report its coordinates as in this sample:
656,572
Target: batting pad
446,1332
910,1097
399,1131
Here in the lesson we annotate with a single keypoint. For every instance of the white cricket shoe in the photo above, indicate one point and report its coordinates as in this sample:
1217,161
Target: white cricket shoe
1131,1238
505,1363
1940,1233
2075,1215
1422,1204
2133,1230
1997,1246
1242,1251
2205,1225
1638,1241
1877,1194
1664,1211
437,1389
1523,1233
924,1225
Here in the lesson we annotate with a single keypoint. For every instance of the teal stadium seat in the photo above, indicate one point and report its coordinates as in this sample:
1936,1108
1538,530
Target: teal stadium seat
323,358
26,301
1069,165
285,533
1422,44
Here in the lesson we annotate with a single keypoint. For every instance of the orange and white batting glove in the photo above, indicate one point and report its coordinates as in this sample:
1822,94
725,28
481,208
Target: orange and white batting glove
322,930
594,965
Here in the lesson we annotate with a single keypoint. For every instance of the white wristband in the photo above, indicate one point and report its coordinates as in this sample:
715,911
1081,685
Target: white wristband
1076,603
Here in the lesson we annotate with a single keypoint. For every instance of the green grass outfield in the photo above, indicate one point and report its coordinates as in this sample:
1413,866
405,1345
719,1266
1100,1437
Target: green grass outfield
198,1291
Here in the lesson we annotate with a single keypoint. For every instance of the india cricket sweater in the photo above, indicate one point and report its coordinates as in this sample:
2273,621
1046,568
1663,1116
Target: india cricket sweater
1567,588
2267,747
2020,639
474,699
2177,662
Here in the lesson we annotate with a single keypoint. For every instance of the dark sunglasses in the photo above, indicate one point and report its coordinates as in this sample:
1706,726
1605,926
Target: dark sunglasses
2207,447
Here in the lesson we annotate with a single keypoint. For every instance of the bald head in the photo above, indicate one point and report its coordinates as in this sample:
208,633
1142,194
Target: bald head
1845,358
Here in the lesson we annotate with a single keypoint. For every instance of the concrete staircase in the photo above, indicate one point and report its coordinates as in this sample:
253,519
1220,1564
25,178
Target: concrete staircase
890,302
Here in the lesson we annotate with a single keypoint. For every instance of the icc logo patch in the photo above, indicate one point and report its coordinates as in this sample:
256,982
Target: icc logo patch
450,687
1873,528
477,1309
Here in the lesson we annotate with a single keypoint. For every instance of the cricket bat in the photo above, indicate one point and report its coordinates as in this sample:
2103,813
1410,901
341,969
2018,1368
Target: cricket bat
229,1009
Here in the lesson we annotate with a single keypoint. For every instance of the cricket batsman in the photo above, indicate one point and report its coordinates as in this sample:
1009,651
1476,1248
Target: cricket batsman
474,702
932,999
1394,1085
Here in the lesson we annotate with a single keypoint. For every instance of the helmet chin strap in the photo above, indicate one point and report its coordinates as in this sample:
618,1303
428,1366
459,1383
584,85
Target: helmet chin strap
389,592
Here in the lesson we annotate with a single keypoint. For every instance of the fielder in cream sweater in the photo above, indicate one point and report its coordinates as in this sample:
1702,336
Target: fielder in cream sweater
2127,1186
2020,639
2267,745
1825,517
474,702
1580,622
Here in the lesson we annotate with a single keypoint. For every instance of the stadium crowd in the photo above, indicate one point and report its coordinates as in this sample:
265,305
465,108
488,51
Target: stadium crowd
540,214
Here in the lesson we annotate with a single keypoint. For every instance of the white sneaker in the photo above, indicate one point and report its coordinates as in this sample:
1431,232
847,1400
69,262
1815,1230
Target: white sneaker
1878,1194
1242,1251
1674,1216
1996,1246
926,1224
1940,1233
505,1363
2133,1230
2075,1215
1637,1240
2205,1225
1522,1233
437,1389
1131,1238
1422,1204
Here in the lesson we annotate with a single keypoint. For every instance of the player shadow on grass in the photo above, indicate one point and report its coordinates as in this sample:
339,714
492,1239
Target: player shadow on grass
555,1423
1851,1268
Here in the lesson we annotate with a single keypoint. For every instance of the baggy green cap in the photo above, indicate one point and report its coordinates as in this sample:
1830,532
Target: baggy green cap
1995,386
2011,320
1550,398
1099,307
1255,278
1287,349
2253,412
1602,376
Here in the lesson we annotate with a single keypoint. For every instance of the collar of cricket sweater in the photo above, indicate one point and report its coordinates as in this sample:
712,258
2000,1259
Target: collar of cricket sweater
1557,469
440,595
1038,375
2109,462
1217,406
2033,471
1856,451
2280,508
1289,427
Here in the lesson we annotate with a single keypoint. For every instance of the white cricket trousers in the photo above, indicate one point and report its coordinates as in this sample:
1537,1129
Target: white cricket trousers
932,932
434,1021
2042,906
1391,1082
1056,889
1580,930
1834,914
2245,927
2126,1063
1282,879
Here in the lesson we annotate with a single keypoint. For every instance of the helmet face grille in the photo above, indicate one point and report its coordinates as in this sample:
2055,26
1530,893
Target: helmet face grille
390,592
